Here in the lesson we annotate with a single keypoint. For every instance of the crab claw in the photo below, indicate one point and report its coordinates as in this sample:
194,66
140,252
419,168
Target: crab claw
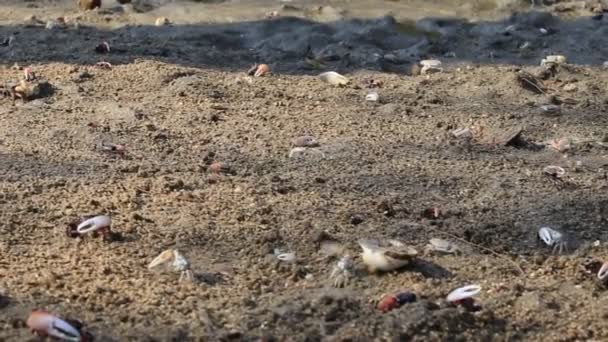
46,324
462,293
163,258
93,224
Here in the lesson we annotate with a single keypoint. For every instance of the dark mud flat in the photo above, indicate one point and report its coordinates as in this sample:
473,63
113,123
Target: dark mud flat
179,99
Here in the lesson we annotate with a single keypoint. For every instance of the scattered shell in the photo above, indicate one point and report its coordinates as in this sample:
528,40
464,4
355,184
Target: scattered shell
334,78
442,246
554,171
305,141
299,151
551,110
372,97
430,66
162,21
554,59
463,293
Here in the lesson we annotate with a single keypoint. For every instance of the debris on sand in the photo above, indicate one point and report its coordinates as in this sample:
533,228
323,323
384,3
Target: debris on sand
529,82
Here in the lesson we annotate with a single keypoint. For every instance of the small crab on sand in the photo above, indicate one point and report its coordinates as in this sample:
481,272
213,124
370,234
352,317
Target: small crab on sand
553,238
176,262
342,272
386,255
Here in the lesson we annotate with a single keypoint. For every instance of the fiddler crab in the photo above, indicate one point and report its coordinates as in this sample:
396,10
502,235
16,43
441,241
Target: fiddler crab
43,324
342,271
553,238
463,296
386,255
97,225
175,261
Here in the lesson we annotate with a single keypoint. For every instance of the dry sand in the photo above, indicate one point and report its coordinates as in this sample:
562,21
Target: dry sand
178,97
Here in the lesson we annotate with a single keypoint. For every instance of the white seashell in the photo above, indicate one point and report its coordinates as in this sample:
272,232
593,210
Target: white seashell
334,78
93,224
372,97
555,171
463,293
430,63
555,59
603,272
549,236
543,30
287,257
